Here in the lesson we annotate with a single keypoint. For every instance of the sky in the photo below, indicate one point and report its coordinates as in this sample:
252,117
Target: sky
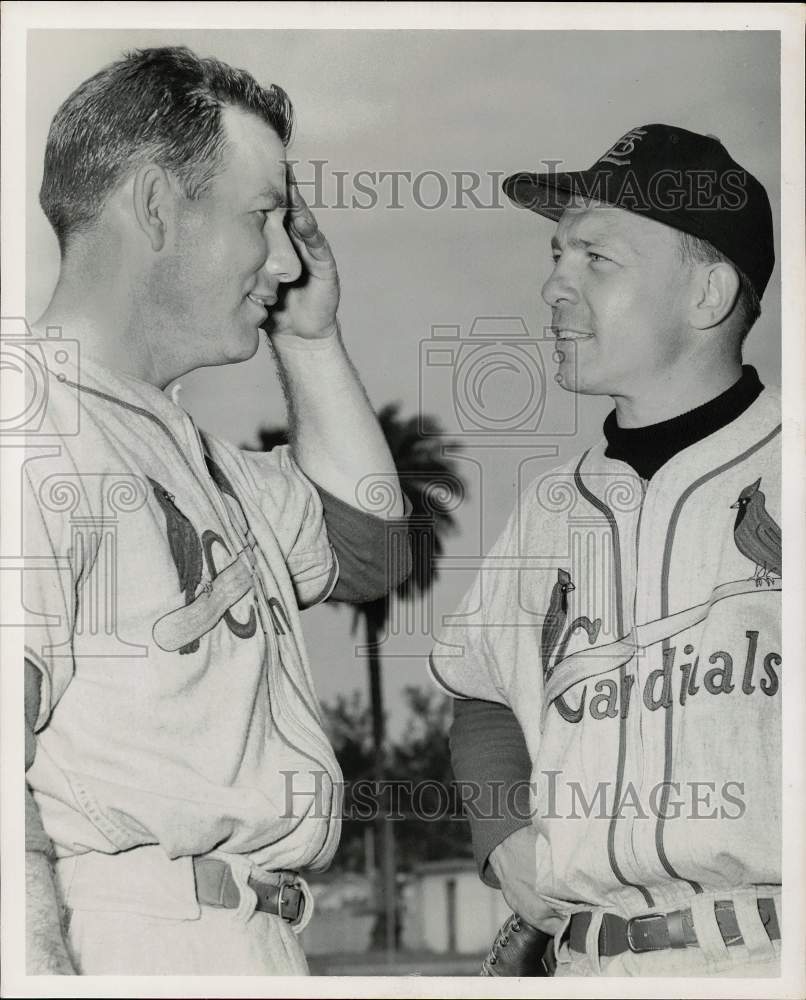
440,111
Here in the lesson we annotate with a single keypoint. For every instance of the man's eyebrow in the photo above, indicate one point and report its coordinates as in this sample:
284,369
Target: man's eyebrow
596,238
575,241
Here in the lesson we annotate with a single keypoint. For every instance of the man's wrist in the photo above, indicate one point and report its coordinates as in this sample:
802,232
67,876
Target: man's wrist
327,334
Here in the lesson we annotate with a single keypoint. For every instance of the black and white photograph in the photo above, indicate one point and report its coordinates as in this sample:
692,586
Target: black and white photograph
402,416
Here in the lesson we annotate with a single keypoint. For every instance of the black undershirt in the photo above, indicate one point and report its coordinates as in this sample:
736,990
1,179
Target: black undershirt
646,449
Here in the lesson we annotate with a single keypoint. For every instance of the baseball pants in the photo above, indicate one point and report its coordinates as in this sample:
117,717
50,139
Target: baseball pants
136,913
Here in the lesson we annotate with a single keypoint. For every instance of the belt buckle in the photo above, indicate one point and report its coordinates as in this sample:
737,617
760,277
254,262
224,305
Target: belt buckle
635,924
289,883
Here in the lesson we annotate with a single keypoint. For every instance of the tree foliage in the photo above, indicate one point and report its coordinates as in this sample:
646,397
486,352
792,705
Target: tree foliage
418,774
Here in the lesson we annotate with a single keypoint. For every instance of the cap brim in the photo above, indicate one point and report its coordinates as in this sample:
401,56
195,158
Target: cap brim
550,194
547,194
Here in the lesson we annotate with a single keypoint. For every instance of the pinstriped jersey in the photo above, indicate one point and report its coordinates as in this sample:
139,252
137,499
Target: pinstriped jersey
166,573
635,630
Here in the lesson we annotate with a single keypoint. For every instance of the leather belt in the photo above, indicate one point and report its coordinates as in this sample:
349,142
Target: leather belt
657,931
278,893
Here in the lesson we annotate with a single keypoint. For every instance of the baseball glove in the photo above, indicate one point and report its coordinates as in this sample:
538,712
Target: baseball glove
520,949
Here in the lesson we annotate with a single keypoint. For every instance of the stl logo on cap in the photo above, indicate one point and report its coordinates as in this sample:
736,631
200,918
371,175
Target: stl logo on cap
626,144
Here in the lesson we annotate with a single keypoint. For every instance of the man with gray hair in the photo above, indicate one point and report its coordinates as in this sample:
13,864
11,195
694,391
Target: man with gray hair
178,777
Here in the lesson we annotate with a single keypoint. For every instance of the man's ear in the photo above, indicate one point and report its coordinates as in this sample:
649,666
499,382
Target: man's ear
715,289
152,195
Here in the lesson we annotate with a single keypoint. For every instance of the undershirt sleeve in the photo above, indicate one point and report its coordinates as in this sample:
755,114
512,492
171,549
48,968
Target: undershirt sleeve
374,554
489,756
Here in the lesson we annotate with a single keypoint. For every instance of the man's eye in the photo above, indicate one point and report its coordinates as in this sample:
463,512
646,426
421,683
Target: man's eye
596,257
555,255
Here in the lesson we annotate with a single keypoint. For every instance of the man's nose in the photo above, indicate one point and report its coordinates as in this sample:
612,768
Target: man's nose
560,287
282,262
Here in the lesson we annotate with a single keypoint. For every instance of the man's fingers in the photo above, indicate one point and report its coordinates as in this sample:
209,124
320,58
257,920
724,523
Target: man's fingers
302,223
302,219
313,240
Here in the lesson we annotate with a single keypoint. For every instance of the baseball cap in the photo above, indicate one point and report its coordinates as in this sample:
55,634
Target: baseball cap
680,178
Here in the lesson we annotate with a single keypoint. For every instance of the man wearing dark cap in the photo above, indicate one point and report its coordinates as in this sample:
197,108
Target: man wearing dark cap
617,664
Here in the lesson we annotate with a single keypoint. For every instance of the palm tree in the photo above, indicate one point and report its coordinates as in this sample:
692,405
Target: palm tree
434,489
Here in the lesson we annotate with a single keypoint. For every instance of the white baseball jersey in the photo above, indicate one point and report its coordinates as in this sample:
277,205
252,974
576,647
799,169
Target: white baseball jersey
166,572
635,630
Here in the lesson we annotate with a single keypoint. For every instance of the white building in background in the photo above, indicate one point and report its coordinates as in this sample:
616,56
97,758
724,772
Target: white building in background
448,909
444,909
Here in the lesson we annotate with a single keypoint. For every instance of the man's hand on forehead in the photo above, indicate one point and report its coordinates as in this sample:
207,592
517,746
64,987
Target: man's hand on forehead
308,306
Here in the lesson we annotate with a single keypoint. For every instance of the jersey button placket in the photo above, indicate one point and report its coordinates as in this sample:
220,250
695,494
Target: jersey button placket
635,765
642,831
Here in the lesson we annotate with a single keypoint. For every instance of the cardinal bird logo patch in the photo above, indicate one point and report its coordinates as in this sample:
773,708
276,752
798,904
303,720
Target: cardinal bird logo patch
186,549
556,615
757,534
554,636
